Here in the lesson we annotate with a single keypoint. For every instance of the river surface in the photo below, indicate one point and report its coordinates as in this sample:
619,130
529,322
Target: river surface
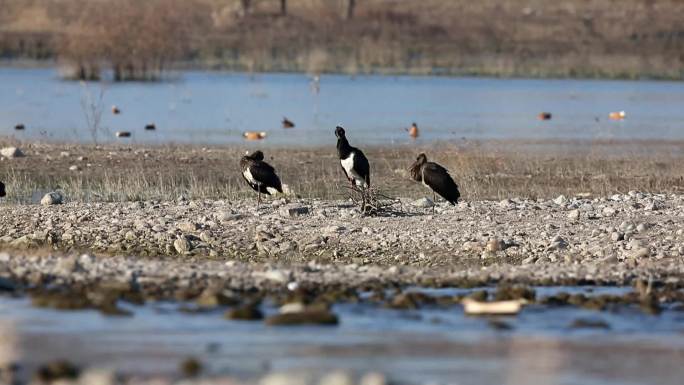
218,107
432,345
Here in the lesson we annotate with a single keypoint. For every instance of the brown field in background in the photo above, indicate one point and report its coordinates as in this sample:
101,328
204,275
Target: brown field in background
487,170
139,39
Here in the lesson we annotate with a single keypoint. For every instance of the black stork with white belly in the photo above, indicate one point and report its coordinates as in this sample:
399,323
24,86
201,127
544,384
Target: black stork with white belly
436,178
354,163
260,175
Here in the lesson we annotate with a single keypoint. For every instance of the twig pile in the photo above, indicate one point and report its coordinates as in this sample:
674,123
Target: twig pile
373,202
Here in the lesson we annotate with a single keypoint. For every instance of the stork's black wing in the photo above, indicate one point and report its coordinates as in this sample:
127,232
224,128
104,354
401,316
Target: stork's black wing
361,165
265,174
439,180
2,189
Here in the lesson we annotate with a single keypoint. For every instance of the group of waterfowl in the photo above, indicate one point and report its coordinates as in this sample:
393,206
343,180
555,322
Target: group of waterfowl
287,123
263,179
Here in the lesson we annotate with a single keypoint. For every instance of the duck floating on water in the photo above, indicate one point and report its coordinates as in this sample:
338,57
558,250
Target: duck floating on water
544,116
287,123
620,115
413,131
253,135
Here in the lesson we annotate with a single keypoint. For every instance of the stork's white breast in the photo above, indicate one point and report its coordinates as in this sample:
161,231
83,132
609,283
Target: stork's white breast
348,164
249,177
422,177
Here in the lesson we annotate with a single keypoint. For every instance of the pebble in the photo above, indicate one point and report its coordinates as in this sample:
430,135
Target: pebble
574,214
423,203
293,211
617,236
642,252
561,200
494,245
51,198
608,211
182,245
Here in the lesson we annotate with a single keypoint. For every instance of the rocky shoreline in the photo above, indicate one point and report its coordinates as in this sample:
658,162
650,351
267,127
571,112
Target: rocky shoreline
302,257
611,240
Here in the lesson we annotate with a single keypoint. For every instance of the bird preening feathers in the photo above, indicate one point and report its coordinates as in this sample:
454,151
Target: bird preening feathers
436,178
260,175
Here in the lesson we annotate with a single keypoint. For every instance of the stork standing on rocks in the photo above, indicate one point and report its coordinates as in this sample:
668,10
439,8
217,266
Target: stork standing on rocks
436,178
354,163
260,175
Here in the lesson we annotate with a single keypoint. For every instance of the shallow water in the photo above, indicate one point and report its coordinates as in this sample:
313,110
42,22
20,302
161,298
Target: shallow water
432,345
217,107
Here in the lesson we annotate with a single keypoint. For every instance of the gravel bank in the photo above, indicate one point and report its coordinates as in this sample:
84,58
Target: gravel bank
609,239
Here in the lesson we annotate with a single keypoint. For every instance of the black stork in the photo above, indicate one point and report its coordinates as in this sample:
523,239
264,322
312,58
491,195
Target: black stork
354,164
353,161
436,178
2,190
260,175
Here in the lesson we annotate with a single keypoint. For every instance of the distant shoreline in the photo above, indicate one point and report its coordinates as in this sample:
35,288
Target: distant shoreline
417,72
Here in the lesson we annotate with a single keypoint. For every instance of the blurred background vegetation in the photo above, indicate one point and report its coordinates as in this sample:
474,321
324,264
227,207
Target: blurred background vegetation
138,40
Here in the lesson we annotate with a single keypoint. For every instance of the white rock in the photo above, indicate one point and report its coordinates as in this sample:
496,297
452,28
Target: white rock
51,198
11,152
423,202
574,215
608,211
74,168
182,245
561,200
292,307
275,275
